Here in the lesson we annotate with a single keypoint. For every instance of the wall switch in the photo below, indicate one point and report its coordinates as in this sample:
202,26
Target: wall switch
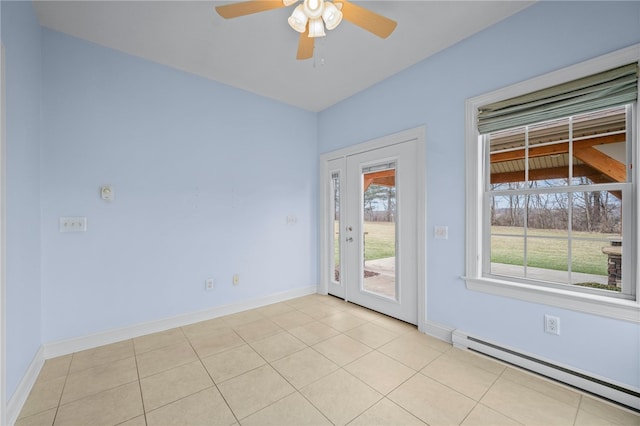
236,279
552,325
73,224
441,232
208,284
292,220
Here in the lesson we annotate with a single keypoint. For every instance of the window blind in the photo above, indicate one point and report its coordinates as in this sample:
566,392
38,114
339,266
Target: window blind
610,88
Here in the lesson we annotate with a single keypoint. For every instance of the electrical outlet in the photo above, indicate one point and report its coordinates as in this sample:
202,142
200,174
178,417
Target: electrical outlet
208,284
236,279
552,325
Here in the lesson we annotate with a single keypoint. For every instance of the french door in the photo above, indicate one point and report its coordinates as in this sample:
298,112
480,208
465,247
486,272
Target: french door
372,227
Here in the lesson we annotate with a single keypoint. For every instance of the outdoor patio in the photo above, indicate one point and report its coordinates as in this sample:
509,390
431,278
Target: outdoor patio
383,282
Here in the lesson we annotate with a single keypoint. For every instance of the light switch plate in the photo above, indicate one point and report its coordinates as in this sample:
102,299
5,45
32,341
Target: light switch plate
441,232
73,224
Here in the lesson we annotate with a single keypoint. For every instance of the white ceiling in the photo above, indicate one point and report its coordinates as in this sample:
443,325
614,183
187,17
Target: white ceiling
257,52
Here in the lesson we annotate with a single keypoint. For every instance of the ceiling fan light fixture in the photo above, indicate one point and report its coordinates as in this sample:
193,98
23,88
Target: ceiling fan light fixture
298,19
316,27
310,17
331,15
313,8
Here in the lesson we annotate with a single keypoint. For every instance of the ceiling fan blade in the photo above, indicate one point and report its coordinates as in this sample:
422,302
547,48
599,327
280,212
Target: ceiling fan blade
235,10
366,19
305,45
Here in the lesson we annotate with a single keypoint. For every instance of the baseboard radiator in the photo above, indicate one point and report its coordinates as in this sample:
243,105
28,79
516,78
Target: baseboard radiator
618,393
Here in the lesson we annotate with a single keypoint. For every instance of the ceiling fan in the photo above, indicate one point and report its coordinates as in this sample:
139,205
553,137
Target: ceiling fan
311,17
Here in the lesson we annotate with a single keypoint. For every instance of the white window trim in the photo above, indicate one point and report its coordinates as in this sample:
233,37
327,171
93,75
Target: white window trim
3,243
583,302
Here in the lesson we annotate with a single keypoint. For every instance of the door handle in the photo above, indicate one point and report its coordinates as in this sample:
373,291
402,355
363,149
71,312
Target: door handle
350,239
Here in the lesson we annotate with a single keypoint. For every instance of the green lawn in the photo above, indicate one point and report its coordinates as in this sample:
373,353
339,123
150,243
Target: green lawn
550,253
379,240
543,252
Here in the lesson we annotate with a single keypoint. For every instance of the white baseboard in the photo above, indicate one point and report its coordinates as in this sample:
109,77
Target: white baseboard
19,397
601,386
68,346
438,331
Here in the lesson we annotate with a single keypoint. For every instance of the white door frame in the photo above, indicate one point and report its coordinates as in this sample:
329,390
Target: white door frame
417,134
3,263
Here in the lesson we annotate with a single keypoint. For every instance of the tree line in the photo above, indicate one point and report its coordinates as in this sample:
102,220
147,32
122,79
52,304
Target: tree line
591,211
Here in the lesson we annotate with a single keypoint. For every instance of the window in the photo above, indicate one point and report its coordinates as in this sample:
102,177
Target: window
554,202
335,240
552,194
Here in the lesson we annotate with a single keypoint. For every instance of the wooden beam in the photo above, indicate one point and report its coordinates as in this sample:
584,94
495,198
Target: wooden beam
367,182
385,181
380,174
556,149
542,174
383,177
600,178
603,163
582,170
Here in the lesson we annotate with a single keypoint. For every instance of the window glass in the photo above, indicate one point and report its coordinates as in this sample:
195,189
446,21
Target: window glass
555,201
335,201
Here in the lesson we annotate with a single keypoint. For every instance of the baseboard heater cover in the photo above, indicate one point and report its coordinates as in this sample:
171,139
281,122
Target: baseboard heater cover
600,387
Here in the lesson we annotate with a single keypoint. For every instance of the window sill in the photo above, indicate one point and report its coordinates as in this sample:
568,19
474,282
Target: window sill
620,309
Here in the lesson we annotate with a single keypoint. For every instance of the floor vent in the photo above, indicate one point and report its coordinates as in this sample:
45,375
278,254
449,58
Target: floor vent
620,394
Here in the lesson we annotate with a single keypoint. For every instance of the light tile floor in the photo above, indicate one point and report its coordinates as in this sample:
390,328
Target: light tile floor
314,360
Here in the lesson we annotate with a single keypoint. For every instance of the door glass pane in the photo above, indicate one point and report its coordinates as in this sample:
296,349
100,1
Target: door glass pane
335,201
379,230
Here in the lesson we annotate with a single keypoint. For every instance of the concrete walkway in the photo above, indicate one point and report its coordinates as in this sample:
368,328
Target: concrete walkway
547,274
385,266
384,283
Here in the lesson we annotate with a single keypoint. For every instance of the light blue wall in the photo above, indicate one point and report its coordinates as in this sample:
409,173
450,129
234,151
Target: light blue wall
21,36
542,38
204,175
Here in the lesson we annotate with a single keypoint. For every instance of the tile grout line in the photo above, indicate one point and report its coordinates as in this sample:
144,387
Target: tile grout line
144,409
319,320
215,385
66,377
575,417
295,389
478,402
